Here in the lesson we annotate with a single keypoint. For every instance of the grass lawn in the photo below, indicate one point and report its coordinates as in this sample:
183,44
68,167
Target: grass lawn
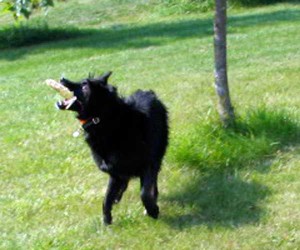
219,189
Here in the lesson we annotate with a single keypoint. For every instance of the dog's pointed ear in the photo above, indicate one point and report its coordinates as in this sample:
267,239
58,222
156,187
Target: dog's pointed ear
105,76
102,80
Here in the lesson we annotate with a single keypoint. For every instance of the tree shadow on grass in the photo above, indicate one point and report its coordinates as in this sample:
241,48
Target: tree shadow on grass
219,199
222,190
252,3
121,37
21,35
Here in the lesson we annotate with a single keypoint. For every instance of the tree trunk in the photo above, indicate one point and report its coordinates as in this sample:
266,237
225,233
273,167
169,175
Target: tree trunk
225,108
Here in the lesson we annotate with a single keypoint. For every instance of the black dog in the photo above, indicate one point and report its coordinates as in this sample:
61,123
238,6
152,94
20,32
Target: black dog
128,137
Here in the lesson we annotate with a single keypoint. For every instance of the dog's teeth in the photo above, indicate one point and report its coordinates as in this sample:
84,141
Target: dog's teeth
58,104
70,102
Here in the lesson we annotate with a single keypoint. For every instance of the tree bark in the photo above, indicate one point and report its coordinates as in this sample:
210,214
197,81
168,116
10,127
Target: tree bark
225,107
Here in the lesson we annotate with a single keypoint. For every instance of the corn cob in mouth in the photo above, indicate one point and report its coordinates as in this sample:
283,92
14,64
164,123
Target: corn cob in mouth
64,92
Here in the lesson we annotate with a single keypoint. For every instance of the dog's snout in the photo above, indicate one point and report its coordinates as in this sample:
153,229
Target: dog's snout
62,79
70,85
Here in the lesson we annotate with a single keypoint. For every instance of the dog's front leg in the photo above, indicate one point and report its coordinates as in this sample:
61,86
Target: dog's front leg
115,186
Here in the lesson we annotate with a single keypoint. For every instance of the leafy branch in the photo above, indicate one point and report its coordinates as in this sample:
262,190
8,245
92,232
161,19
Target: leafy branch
24,7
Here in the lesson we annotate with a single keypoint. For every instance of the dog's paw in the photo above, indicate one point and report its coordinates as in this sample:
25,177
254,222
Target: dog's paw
107,220
154,212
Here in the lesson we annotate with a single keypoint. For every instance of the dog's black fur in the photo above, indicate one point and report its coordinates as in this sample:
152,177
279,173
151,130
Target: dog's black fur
129,141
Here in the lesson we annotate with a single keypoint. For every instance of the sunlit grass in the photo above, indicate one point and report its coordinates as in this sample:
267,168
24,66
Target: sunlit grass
220,189
256,136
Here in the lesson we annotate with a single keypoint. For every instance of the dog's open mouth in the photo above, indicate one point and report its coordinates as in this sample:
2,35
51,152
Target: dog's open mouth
69,100
67,103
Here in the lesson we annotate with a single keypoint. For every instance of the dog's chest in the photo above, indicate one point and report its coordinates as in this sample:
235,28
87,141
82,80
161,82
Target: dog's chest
120,156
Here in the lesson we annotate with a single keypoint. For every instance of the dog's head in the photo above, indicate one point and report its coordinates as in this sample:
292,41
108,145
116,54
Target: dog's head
90,95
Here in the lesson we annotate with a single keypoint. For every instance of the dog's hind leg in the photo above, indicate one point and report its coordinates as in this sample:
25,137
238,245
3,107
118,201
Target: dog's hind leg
115,189
149,192
122,190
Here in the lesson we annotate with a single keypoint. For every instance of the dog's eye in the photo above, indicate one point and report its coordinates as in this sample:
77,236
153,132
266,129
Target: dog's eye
84,85
85,89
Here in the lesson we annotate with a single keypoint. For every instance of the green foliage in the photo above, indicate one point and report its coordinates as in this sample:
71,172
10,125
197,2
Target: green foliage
24,7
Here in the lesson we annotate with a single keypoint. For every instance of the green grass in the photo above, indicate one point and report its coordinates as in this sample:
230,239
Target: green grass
256,136
220,189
